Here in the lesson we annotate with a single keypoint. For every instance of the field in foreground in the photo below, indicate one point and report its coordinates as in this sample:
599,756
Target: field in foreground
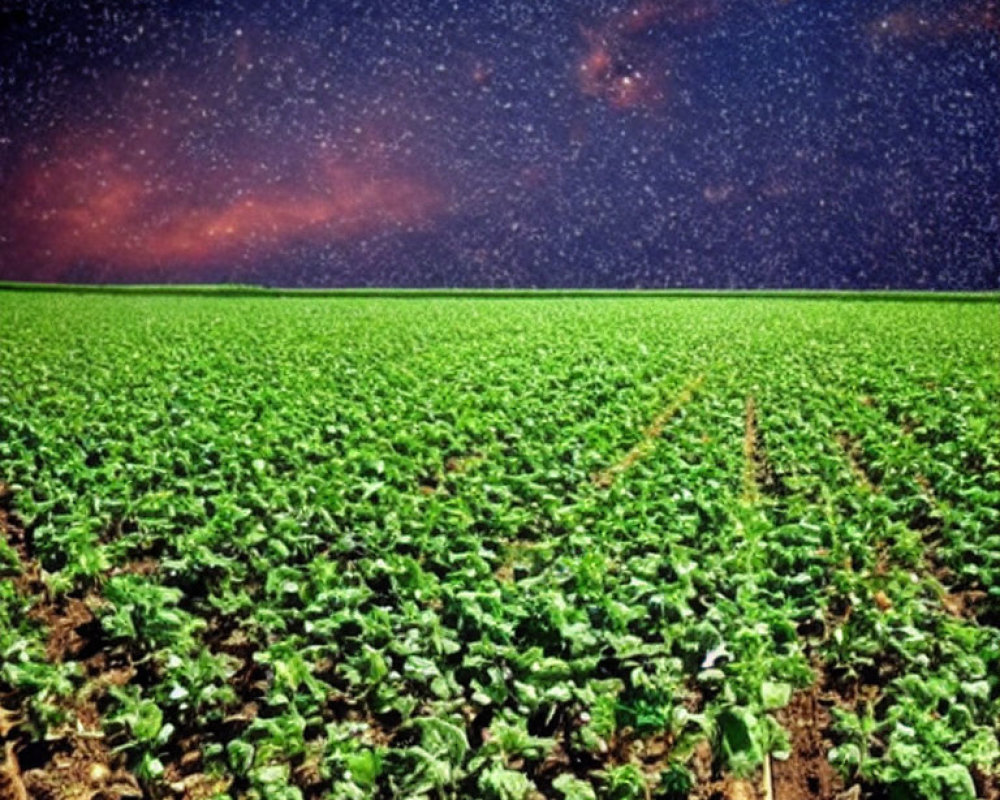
569,548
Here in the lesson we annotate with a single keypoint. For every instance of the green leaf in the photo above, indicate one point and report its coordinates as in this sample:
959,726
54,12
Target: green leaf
240,755
775,695
364,767
573,788
500,783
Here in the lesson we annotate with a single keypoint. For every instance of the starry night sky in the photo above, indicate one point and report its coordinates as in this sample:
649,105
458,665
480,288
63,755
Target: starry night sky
643,143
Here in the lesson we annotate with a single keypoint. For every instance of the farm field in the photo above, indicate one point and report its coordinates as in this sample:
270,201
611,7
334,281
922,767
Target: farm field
503,548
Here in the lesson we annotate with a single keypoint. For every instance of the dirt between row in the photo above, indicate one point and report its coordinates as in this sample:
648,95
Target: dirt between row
74,761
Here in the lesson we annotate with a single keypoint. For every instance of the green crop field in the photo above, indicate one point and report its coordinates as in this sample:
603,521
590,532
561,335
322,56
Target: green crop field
475,547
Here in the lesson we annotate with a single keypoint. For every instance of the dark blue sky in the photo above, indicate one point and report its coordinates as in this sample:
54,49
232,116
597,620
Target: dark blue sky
646,143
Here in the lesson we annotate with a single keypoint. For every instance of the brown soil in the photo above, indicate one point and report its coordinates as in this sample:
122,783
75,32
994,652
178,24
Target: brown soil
70,623
987,785
81,769
963,604
807,773
701,762
11,783
727,788
650,434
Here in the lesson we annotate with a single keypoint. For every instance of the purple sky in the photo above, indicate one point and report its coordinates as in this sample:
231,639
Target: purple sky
648,143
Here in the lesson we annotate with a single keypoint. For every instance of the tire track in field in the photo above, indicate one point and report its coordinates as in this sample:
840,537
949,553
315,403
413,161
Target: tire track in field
650,434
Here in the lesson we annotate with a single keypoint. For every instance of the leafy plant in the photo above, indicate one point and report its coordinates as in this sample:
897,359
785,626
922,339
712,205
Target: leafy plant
442,548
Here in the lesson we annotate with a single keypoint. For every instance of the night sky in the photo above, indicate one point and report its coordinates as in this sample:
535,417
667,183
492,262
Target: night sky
643,143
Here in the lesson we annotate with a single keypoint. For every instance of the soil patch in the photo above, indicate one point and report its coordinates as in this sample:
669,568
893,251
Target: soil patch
807,773
987,786
963,604
727,789
79,766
